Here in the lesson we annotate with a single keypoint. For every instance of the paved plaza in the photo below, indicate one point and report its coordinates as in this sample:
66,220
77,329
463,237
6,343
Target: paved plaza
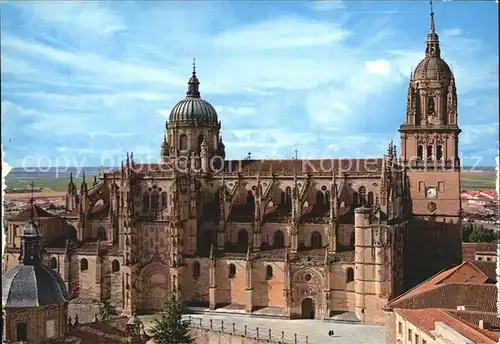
315,330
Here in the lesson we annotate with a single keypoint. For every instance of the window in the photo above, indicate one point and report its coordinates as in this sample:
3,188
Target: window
400,328
417,338
430,153
232,270
115,266
164,200
196,270
250,202
269,272
320,198
288,198
355,199
424,341
84,265
145,202
50,329
410,335
155,201
22,332
362,195
441,186
201,138
350,275
420,152
370,199
316,240
242,238
421,186
183,142
279,239
53,263
327,198
101,233
439,153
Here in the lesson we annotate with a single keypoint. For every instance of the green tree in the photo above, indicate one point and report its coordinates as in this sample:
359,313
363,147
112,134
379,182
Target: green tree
106,310
466,231
169,328
483,235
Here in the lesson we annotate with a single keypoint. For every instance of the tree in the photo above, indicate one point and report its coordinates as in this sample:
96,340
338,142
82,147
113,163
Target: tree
169,328
106,310
483,235
467,230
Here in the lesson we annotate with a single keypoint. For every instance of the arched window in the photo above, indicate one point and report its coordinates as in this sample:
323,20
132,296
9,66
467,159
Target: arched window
53,263
269,272
420,152
196,270
279,239
200,140
439,153
430,152
430,105
183,142
250,202
84,265
232,270
155,201
355,199
242,238
362,195
288,198
370,199
349,275
101,234
320,198
283,198
164,201
115,266
145,201
316,241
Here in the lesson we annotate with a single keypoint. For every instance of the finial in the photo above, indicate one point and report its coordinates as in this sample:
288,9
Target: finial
194,66
71,177
433,27
32,200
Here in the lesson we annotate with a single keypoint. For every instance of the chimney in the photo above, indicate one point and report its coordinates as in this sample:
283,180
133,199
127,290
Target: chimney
483,325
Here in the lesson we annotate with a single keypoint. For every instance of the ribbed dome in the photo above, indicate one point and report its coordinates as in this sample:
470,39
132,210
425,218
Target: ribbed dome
432,68
32,286
194,109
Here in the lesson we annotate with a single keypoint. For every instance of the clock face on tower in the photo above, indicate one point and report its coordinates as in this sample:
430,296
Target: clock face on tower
430,193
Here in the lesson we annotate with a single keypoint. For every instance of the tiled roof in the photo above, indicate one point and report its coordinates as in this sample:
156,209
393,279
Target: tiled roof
425,319
472,318
451,295
287,166
110,331
100,212
469,249
459,279
488,268
24,214
90,247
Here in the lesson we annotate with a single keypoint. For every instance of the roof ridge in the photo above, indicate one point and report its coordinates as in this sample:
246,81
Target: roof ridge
420,284
477,329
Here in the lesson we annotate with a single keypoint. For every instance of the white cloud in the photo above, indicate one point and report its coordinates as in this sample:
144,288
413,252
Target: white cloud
381,67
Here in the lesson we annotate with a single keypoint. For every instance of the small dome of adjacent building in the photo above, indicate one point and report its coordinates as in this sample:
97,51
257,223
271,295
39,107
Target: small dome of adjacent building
193,108
26,286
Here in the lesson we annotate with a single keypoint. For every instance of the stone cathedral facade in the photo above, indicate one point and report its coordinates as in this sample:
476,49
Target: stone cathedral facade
296,238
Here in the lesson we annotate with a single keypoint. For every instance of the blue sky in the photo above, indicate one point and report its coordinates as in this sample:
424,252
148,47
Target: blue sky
85,82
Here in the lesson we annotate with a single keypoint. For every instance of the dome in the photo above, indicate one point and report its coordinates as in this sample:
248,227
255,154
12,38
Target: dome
432,68
193,109
32,286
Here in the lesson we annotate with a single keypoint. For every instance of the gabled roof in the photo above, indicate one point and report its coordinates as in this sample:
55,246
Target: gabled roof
449,289
425,319
24,214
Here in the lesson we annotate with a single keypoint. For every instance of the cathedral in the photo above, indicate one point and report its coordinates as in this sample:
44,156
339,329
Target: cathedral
292,238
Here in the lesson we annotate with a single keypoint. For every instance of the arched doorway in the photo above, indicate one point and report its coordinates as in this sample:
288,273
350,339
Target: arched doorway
155,286
308,309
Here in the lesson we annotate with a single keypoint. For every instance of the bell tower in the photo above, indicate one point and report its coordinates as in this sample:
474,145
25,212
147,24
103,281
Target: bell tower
429,149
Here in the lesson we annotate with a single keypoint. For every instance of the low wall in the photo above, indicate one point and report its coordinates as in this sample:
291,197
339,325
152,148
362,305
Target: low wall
220,332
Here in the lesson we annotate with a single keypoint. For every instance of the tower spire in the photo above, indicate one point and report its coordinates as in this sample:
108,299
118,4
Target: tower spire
193,84
433,26
31,238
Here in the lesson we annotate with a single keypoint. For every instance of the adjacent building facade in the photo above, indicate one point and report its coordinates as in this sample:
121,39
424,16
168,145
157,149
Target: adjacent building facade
297,238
